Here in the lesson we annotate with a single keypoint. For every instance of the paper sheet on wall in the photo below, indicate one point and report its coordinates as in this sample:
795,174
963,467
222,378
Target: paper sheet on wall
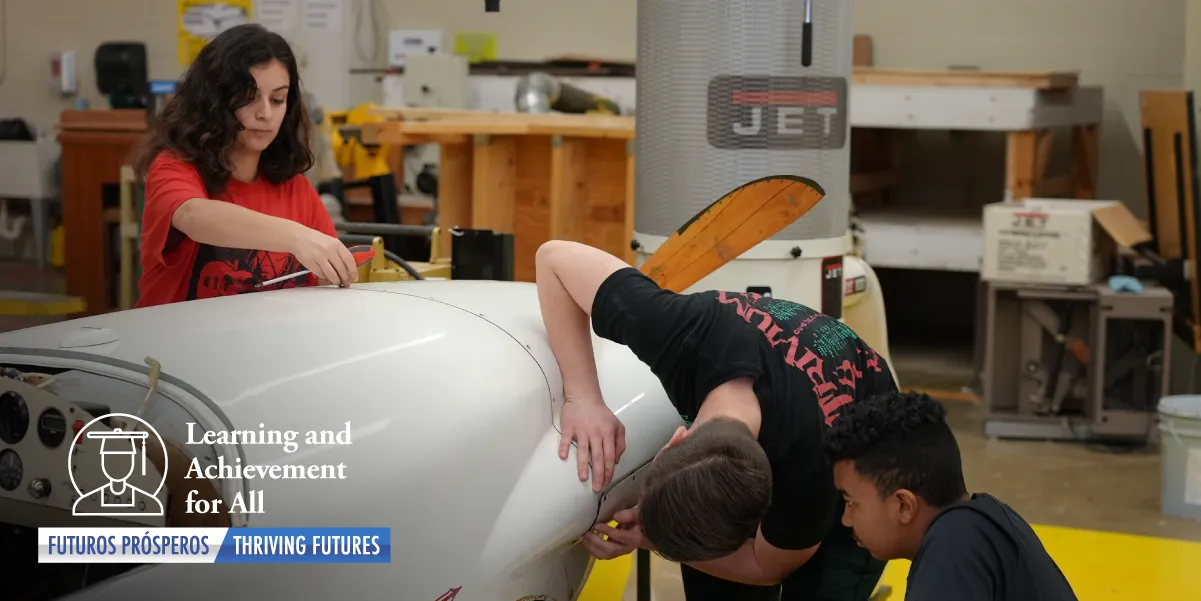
279,16
322,16
477,46
198,21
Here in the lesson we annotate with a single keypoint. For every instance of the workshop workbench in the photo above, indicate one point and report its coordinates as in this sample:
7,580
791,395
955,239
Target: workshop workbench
1028,108
538,177
1025,106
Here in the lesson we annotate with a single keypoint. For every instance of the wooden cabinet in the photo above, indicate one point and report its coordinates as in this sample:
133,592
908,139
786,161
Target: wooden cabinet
95,144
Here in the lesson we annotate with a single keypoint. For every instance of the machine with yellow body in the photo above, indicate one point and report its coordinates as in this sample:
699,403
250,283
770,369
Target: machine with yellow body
386,267
352,155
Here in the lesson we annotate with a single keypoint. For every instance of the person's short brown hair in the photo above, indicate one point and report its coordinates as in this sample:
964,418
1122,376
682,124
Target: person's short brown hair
703,497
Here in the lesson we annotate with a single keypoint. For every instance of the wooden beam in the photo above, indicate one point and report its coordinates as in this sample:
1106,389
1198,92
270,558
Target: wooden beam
1021,164
568,197
1086,144
1041,80
454,191
493,182
414,122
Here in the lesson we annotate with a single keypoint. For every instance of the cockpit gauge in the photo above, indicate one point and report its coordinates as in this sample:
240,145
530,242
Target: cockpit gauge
52,428
11,470
14,417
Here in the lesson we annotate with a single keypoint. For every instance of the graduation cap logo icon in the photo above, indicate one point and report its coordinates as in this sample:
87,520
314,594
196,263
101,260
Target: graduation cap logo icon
124,464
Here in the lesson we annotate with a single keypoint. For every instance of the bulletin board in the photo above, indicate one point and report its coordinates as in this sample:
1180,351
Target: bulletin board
197,21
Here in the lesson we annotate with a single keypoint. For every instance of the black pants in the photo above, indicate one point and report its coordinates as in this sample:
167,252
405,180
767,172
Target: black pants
839,571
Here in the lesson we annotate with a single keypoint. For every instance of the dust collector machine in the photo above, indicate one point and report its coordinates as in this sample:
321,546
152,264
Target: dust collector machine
729,92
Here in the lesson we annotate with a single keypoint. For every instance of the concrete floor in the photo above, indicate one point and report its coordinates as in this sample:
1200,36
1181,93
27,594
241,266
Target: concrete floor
1050,484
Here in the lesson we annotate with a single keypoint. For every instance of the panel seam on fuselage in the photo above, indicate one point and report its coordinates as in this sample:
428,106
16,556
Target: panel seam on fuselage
545,378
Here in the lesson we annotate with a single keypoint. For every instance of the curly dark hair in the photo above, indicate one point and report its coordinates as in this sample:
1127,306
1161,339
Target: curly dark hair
198,124
900,440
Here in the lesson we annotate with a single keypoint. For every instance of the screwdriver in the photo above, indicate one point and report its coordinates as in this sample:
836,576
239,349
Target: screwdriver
362,254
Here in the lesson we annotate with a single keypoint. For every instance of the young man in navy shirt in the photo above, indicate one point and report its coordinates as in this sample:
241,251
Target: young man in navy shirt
898,467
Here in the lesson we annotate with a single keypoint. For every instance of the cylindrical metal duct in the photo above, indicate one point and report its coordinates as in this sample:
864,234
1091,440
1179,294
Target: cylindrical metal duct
724,99
730,91
543,93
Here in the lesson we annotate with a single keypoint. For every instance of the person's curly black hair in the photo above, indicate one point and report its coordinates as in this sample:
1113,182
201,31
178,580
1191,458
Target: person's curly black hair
900,440
198,124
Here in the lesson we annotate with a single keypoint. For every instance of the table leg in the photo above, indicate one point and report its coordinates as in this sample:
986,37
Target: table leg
568,196
1085,150
1027,153
493,185
454,191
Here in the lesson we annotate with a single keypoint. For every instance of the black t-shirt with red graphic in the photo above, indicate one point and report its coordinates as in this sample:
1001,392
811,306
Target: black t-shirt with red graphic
806,366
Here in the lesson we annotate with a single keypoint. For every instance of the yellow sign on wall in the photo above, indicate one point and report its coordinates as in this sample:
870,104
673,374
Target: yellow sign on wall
476,45
197,21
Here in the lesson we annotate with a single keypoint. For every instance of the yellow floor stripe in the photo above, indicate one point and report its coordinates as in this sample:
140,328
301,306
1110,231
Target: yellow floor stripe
608,579
1101,566
1108,566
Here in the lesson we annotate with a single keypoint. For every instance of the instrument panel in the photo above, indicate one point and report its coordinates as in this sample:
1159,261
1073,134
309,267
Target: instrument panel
45,468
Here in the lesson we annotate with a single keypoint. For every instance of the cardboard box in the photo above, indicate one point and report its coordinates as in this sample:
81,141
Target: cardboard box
1056,241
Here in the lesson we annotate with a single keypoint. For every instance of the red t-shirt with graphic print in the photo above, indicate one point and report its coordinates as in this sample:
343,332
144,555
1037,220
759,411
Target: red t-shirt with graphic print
176,268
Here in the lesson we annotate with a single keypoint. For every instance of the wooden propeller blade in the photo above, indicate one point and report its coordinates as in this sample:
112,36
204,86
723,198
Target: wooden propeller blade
729,227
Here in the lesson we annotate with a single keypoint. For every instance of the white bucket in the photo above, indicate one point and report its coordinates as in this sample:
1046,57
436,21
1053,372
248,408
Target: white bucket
1180,448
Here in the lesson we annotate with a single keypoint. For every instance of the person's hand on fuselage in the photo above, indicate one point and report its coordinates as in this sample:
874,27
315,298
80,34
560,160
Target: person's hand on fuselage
568,275
625,538
599,436
327,257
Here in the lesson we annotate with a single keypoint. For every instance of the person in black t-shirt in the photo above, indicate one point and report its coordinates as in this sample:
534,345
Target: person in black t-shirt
744,498
897,465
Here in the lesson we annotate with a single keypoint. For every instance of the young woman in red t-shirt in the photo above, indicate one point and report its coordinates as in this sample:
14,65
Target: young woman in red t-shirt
227,204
